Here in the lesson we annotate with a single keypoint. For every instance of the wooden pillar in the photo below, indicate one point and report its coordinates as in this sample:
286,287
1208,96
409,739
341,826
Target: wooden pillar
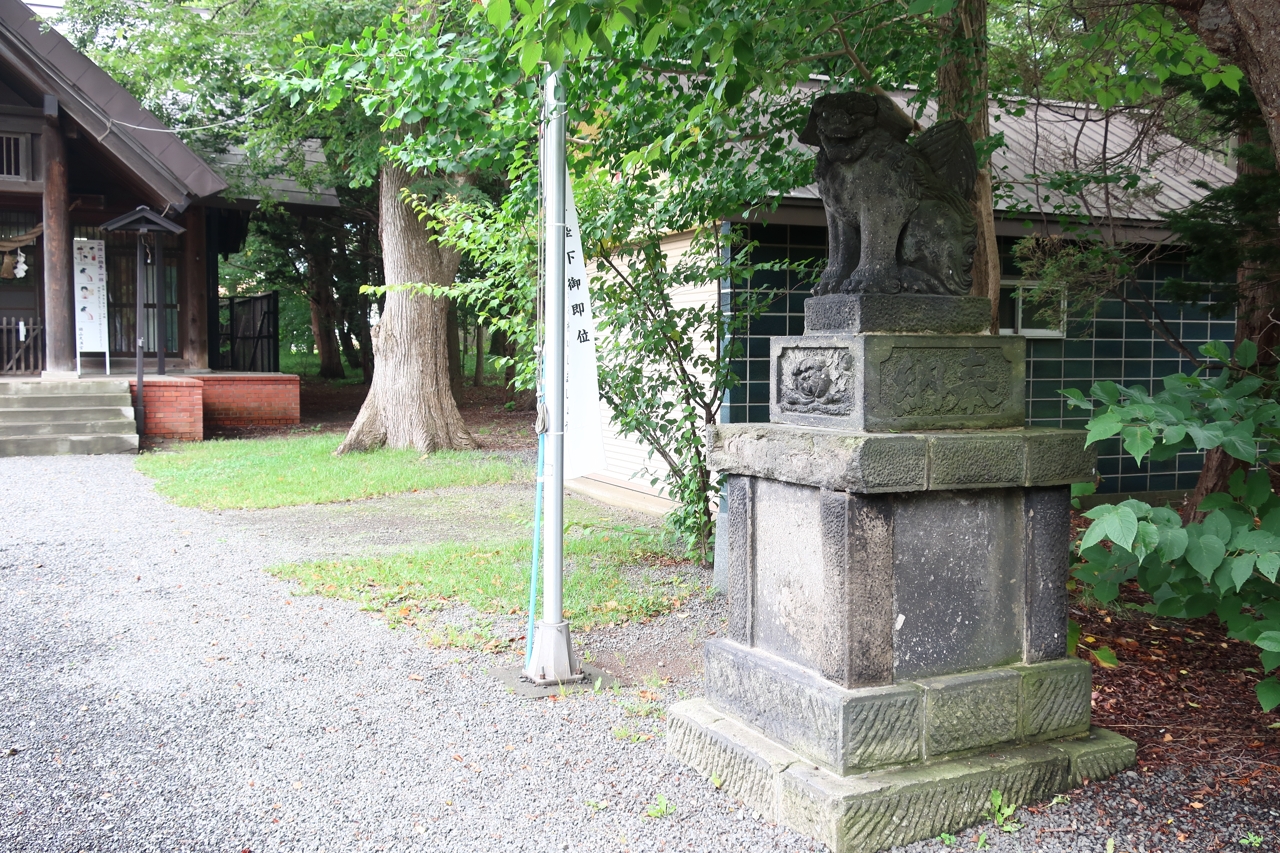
195,298
59,298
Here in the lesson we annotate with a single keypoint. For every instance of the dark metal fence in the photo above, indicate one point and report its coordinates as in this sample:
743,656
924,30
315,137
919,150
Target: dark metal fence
21,345
248,334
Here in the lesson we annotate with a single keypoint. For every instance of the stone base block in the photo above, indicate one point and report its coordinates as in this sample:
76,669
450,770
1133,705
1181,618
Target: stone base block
884,808
896,382
849,731
874,463
915,313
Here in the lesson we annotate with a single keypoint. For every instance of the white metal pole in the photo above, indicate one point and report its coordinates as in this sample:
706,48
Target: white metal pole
553,520
553,660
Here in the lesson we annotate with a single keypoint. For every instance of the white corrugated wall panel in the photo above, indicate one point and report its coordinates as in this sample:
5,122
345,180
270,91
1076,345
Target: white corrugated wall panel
627,458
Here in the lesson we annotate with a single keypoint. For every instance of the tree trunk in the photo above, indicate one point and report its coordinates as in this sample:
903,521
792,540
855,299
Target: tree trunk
1255,321
409,404
1218,468
348,342
324,309
366,341
962,94
477,378
498,342
455,355
1247,34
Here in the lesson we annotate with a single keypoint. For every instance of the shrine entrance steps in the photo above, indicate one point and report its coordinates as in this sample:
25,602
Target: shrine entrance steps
54,418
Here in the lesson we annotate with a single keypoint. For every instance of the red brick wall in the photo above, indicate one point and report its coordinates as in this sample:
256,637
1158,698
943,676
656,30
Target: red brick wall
173,407
250,399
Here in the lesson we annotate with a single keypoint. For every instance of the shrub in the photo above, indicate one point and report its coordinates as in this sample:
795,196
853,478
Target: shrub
1227,563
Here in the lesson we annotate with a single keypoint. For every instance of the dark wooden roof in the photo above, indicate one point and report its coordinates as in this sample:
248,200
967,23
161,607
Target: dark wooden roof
45,63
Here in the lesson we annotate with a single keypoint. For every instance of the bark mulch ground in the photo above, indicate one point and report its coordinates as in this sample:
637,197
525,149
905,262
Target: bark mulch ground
1183,691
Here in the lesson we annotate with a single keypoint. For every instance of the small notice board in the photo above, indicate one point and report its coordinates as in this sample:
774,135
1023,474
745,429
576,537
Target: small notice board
90,283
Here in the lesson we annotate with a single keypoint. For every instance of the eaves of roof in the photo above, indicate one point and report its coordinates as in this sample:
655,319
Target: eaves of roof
174,174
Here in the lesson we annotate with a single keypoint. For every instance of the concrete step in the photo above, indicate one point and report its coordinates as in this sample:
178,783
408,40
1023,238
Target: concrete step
64,415
76,386
117,426
64,401
63,445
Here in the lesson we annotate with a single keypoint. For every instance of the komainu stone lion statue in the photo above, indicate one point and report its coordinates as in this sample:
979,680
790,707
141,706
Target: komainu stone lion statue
898,214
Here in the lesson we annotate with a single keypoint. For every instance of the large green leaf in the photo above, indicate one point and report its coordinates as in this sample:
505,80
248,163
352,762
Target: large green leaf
1271,522
1105,657
1122,527
1138,441
1205,554
1103,426
1147,540
1217,350
1257,489
1206,436
1268,564
1217,524
1076,397
1241,569
498,12
1200,604
1246,353
1268,641
1173,543
1106,591
1222,578
1217,500
1268,692
1244,448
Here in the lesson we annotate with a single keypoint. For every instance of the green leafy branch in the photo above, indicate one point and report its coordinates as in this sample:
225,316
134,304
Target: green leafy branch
1226,564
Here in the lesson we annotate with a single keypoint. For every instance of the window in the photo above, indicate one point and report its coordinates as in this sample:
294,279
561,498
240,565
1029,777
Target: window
15,156
1017,318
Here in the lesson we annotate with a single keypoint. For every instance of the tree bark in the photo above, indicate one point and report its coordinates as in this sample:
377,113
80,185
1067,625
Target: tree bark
324,309
455,355
1255,321
962,94
477,379
325,314
409,404
366,341
1247,34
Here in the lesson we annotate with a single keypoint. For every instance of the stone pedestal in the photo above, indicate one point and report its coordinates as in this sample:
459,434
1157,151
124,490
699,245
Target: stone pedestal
897,556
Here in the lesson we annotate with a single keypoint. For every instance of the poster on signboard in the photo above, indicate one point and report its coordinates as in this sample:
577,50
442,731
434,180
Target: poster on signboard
90,281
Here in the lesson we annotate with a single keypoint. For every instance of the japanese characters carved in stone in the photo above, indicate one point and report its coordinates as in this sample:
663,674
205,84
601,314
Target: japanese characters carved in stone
898,214
942,380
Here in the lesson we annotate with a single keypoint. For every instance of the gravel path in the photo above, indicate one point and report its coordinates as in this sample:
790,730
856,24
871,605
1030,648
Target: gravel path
161,692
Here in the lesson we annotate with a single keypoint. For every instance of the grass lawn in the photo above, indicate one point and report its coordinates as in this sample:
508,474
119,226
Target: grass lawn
272,472
494,578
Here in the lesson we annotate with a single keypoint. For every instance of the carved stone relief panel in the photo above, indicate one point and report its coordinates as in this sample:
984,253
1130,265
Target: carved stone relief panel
816,381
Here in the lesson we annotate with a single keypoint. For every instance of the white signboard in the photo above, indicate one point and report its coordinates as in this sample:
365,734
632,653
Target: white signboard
583,437
90,282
